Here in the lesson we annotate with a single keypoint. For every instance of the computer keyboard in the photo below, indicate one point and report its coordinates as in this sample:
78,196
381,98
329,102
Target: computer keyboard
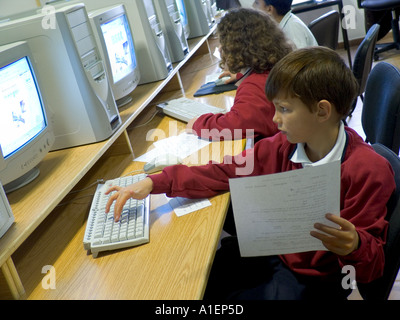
103,234
185,109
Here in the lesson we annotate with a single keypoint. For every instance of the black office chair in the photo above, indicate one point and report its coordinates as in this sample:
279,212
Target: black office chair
363,61
378,5
380,288
326,29
380,115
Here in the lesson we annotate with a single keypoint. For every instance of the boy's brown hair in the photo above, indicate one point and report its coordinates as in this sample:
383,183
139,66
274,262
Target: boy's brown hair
250,39
313,74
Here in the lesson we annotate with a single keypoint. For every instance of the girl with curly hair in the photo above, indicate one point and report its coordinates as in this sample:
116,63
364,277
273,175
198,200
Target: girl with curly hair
251,43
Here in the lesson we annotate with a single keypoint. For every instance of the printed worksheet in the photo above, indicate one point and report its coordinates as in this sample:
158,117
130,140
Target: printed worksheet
275,213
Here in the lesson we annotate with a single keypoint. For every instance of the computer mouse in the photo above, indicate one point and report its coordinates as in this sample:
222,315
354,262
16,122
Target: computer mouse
160,162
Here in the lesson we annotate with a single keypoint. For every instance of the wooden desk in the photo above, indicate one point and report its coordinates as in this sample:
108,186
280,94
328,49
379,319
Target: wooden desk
317,4
176,262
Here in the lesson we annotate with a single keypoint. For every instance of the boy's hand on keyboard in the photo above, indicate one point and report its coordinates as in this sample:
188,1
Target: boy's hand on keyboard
138,190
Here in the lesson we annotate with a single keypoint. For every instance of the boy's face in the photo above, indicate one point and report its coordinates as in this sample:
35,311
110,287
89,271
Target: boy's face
294,119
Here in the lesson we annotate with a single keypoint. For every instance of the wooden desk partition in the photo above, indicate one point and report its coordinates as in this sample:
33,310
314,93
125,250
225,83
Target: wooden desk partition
42,255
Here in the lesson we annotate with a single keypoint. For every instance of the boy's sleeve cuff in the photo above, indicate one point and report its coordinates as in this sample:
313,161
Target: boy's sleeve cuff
160,183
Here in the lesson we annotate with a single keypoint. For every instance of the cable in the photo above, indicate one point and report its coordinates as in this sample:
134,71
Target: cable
73,201
134,171
147,122
91,185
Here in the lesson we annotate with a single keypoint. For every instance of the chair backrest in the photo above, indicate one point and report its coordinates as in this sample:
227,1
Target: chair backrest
364,57
380,288
326,29
380,114
228,4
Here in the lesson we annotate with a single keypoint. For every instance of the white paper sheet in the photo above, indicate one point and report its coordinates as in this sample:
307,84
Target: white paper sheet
274,214
181,146
184,206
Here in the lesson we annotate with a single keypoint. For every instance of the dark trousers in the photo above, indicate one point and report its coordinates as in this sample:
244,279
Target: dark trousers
262,278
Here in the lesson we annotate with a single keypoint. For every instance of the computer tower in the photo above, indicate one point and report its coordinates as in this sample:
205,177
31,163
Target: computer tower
172,25
198,17
6,215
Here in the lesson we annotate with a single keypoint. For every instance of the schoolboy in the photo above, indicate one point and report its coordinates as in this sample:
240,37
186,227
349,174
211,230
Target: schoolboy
312,90
294,28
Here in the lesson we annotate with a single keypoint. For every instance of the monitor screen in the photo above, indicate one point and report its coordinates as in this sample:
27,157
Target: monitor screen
120,49
22,115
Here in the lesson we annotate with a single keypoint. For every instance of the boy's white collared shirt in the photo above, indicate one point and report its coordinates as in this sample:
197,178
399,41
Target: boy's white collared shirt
300,156
297,31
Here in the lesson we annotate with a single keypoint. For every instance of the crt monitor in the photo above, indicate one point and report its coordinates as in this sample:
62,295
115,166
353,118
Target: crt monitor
25,134
114,36
75,81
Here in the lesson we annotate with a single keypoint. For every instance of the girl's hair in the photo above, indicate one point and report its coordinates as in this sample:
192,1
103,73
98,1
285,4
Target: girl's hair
313,74
250,39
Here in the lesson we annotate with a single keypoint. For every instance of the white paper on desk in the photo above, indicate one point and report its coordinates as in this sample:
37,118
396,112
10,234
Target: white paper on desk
275,213
217,53
148,156
181,146
184,206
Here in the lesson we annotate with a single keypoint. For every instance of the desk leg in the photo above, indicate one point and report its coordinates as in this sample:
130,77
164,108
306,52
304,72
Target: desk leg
13,280
344,34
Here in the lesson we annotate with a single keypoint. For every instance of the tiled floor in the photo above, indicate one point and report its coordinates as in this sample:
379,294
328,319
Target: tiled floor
354,122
